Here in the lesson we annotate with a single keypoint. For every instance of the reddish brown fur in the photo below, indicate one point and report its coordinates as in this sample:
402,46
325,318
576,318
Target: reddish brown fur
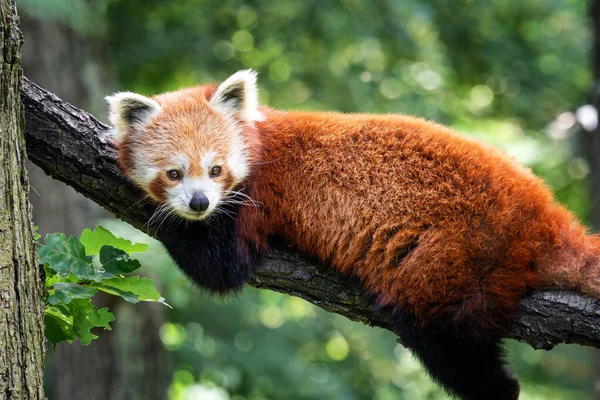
430,221
181,129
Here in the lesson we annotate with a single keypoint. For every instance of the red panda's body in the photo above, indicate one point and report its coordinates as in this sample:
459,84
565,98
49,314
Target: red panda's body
447,232
427,219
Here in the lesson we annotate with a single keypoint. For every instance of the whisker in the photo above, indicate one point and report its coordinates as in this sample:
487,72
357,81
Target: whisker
233,193
146,198
157,214
219,211
241,203
175,220
245,196
164,217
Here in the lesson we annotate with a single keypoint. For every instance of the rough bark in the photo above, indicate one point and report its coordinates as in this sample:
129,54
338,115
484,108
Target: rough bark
22,342
71,145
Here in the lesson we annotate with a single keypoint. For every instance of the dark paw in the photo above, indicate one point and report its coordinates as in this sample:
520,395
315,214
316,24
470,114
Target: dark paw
507,389
514,390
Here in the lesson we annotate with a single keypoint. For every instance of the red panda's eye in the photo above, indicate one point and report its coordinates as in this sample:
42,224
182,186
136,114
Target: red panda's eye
215,171
174,174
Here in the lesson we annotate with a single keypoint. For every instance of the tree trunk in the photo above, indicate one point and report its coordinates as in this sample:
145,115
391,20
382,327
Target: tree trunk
22,340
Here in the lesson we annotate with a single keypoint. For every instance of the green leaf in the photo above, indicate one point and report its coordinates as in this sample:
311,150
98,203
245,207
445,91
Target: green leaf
127,296
64,292
51,276
101,275
58,327
66,256
94,240
141,287
86,317
117,261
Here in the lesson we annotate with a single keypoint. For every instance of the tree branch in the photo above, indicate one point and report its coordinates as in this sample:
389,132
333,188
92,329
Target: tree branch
72,146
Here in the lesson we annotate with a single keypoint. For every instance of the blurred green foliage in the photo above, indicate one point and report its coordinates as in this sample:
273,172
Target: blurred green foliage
508,72
438,59
500,69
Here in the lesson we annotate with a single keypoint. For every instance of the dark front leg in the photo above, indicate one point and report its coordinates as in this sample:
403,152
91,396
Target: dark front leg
209,253
467,367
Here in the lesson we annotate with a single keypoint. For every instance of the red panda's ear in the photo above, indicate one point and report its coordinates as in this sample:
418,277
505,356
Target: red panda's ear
128,110
238,96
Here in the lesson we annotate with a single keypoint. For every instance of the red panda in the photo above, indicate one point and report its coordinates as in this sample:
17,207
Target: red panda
446,231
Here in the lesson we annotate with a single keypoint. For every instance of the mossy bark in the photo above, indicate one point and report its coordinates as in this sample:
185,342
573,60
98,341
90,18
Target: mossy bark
22,342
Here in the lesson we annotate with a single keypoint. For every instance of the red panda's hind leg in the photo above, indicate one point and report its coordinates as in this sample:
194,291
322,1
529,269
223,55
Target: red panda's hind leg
469,368
455,301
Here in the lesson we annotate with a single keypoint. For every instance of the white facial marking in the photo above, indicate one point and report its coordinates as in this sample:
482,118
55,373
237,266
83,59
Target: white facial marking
180,196
206,161
180,161
143,171
237,160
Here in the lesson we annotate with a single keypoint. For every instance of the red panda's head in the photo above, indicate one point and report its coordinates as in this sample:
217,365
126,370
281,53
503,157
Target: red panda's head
188,148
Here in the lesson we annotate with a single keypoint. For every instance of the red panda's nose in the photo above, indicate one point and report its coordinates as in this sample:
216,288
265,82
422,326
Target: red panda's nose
199,202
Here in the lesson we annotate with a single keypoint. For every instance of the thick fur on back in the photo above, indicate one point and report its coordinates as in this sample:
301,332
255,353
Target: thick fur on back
430,221
446,231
